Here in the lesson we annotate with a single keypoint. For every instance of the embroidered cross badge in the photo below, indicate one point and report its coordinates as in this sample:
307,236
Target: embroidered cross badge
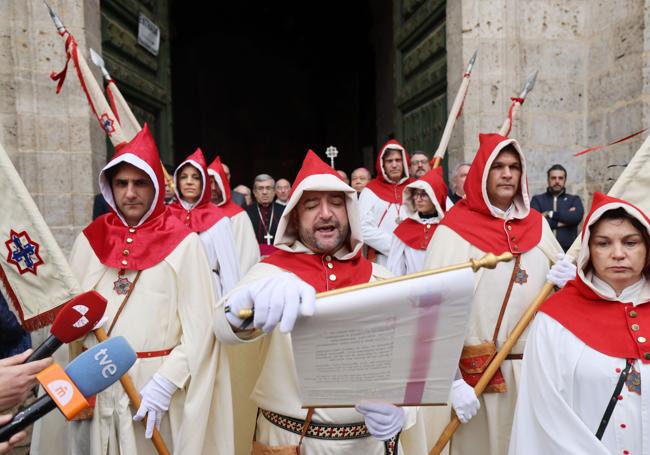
23,252
521,276
122,285
633,381
107,124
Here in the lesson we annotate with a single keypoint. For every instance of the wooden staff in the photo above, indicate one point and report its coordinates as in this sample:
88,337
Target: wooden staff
134,396
489,261
454,113
492,368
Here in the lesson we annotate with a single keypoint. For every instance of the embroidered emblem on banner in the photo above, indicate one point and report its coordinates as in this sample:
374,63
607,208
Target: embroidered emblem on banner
23,252
633,381
107,124
521,276
122,285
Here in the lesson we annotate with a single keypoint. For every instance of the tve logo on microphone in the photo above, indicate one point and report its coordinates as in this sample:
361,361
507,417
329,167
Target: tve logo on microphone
109,368
62,390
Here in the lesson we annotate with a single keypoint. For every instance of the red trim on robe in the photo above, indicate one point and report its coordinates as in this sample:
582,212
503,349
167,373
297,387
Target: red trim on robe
414,234
312,269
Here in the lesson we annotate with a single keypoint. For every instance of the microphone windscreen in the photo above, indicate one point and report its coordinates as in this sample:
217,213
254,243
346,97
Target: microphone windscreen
101,365
78,317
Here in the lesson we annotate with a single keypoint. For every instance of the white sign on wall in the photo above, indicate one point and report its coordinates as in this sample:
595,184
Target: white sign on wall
148,34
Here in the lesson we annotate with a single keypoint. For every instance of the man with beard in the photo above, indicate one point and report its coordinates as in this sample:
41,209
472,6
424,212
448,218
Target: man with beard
380,202
319,249
420,164
563,211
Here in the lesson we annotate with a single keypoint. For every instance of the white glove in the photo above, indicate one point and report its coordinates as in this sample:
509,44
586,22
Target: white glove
156,396
384,420
276,299
562,271
464,400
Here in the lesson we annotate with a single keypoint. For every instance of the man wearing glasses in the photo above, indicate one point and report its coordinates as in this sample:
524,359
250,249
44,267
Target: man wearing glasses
419,164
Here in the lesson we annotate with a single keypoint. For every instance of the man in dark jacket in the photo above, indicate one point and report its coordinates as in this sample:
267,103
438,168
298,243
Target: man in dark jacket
563,211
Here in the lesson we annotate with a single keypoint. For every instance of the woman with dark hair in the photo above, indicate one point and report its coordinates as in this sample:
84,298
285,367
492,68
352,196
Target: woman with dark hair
588,351
194,208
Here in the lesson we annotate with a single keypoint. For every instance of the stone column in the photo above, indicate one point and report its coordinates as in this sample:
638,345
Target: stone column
53,140
590,88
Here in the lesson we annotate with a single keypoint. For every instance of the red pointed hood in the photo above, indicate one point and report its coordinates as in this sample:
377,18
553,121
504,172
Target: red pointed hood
384,188
196,160
476,220
156,234
434,184
476,182
142,153
203,214
218,173
316,175
348,265
601,321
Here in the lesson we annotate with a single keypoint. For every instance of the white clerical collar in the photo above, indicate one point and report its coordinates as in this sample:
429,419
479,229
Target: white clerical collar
500,213
631,293
280,202
429,219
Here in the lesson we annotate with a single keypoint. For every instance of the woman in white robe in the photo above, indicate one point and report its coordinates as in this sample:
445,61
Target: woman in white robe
589,336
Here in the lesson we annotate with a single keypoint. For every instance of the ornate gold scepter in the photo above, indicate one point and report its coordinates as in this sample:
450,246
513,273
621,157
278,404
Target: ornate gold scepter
489,261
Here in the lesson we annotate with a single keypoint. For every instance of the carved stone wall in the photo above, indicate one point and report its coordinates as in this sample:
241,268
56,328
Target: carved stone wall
591,87
53,141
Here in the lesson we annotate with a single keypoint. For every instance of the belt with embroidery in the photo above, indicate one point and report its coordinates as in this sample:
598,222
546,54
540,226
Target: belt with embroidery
331,431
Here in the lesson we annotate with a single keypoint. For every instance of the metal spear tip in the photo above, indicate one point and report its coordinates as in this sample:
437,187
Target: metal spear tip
99,62
55,18
530,83
470,65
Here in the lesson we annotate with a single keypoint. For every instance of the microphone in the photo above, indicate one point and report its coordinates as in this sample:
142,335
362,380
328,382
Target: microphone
75,320
90,373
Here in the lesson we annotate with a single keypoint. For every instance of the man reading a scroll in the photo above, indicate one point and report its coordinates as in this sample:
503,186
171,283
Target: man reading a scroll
319,249
494,216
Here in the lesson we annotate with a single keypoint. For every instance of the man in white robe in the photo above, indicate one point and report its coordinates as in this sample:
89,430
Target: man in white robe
380,202
494,216
319,246
154,273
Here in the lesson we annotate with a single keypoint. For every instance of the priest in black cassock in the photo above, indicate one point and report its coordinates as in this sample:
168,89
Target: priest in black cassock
265,213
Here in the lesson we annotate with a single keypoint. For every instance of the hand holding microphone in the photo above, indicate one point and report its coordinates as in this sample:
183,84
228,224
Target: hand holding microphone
87,375
5,447
17,378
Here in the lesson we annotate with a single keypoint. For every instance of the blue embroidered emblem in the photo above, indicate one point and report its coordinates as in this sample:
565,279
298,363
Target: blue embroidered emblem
521,276
23,252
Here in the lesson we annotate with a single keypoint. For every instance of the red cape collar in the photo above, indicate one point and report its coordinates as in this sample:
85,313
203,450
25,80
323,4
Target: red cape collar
313,269
414,234
149,243
229,209
200,218
389,192
491,234
603,325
